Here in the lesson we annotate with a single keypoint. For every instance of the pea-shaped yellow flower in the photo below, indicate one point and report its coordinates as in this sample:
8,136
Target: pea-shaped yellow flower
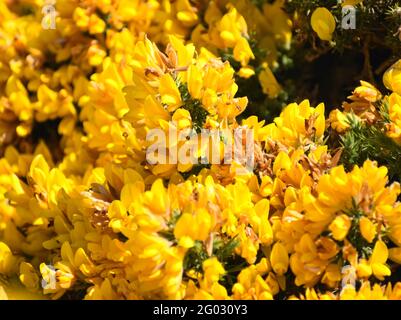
169,92
279,259
8,262
392,77
376,264
191,227
323,23
243,52
340,227
378,260
338,121
368,229
269,84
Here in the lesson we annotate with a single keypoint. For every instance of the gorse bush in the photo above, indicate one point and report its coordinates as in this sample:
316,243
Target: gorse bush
85,214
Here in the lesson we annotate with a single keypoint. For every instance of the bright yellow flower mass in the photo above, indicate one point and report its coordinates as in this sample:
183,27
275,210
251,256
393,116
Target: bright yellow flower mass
85,214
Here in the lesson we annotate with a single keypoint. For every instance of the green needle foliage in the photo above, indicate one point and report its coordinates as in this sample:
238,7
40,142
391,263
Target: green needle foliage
194,107
364,142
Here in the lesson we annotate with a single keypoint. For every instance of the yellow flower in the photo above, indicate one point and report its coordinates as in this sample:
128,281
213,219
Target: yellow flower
365,292
243,52
297,123
338,121
195,83
332,276
183,119
323,23
363,101
265,231
378,260
8,262
213,270
232,28
96,54
305,263
90,22
340,227
210,288
367,92
367,228
376,264
252,282
193,226
394,111
269,83
246,72
395,254
104,291
279,259
278,22
392,78
169,92
80,202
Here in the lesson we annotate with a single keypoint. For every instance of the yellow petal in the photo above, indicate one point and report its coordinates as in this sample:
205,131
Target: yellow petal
323,23
380,253
279,259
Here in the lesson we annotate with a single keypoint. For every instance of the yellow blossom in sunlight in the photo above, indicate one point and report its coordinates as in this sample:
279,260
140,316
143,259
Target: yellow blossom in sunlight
394,110
368,229
8,262
169,92
89,22
279,259
243,52
323,23
112,189
338,121
298,122
269,83
192,227
392,78
376,264
340,227
252,285
246,72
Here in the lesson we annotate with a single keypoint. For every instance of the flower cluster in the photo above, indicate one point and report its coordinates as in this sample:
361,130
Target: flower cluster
84,214
368,106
